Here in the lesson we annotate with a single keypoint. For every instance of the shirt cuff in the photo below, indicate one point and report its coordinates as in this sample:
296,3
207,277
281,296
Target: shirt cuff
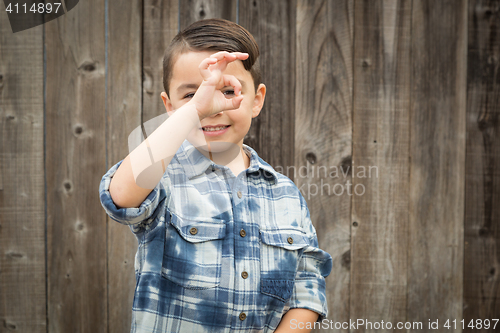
128,216
309,292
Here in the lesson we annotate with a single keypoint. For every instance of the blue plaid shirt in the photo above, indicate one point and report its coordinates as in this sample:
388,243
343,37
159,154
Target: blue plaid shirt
219,253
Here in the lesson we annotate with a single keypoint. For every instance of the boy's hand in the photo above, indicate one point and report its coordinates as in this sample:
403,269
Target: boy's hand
208,99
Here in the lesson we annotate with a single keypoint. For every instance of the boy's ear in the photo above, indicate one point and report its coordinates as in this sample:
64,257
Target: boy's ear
166,102
258,101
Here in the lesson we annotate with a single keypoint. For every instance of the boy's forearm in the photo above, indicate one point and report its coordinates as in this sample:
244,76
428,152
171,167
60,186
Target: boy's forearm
164,142
296,321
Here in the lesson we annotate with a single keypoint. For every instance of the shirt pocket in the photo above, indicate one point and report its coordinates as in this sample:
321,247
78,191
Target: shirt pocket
280,252
193,252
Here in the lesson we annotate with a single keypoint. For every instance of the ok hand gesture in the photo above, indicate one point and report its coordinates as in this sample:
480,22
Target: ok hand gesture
208,99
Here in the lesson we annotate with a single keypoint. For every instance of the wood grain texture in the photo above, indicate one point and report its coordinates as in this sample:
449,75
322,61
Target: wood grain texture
22,199
161,22
411,87
75,163
194,10
482,177
272,23
323,133
438,105
380,161
124,90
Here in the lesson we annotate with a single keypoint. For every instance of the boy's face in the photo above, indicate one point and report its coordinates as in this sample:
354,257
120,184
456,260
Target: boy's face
185,71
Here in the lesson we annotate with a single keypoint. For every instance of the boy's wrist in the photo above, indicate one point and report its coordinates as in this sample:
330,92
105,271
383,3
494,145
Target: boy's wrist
191,112
190,107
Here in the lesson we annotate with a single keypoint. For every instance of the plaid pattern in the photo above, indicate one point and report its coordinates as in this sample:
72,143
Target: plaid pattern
219,252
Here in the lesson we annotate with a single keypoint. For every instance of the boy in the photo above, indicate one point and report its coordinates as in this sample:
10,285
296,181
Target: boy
225,242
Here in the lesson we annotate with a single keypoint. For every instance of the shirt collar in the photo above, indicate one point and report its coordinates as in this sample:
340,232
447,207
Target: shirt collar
195,163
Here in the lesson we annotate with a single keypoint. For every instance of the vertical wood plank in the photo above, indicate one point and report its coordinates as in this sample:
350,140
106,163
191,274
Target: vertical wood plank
161,22
323,132
22,198
482,177
124,89
194,10
75,162
438,106
380,162
272,23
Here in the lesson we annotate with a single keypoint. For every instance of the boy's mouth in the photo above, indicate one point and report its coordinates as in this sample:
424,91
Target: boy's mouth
214,128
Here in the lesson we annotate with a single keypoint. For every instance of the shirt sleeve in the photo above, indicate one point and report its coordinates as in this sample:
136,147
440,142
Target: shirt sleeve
134,217
309,291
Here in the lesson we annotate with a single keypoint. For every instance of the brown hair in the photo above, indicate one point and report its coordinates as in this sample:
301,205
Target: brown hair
212,35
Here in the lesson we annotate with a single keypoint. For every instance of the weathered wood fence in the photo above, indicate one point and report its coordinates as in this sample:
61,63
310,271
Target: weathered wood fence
410,88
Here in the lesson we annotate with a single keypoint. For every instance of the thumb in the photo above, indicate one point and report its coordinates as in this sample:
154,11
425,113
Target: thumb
233,103
236,101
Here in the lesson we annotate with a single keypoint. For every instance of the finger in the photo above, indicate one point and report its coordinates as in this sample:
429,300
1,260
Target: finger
211,64
220,55
220,65
241,55
236,102
204,67
230,80
231,58
233,103
224,57
229,55
219,61
235,56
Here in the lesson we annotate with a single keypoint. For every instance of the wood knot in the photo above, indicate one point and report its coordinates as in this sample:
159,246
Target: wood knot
487,12
492,60
79,226
346,165
365,63
88,66
15,255
311,158
484,232
78,129
9,325
202,13
355,224
147,81
67,186
11,117
486,121
346,259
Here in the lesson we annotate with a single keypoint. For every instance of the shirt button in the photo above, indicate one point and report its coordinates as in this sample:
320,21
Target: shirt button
193,231
244,275
243,233
239,194
290,240
243,316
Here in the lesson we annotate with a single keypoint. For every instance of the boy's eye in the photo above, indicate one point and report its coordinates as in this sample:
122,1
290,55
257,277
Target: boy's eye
190,95
228,92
